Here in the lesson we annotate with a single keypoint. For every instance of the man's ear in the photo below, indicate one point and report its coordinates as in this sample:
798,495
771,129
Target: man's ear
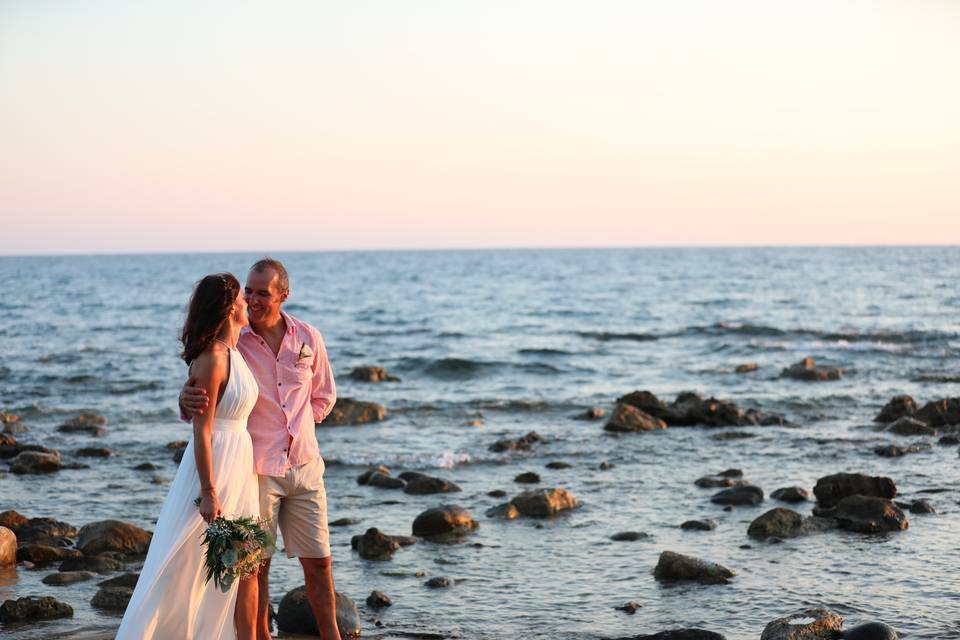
284,296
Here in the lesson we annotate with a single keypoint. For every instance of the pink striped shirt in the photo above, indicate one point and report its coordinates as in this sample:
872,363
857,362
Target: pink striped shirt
297,390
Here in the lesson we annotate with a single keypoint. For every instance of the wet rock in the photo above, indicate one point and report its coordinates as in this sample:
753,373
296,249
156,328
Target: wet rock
732,435
440,582
8,547
718,482
112,598
364,477
629,536
678,567
8,418
348,411
870,631
372,374
6,440
606,466
41,554
829,490
505,511
125,580
826,625
699,525
35,462
896,408
497,493
7,452
527,477
15,428
98,564
94,452
791,494
523,443
64,578
907,426
894,451
940,413
378,600
627,419
31,609
593,413
427,485
146,466
444,521
113,536
949,441
865,514
693,410
739,496
630,607
807,369
374,545
382,481
542,503
784,523
295,616
922,507
680,634
43,531
176,444
89,423
747,367
558,465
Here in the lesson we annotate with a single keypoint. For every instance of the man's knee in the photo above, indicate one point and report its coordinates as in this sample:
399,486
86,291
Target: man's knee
316,565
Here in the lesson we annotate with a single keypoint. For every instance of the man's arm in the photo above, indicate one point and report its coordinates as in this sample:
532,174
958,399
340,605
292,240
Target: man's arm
193,400
323,394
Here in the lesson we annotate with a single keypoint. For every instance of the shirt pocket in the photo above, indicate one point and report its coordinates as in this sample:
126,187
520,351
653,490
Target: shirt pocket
297,372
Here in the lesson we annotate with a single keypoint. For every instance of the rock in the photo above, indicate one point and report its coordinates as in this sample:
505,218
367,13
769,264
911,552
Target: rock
680,634
505,511
747,367
113,535
348,411
30,609
523,443
630,607
112,598
714,482
374,545
35,462
440,582
833,488
907,426
12,520
295,616
344,522
865,514
427,485
699,525
477,422
870,631
826,625
64,578
949,441
364,477
382,481
776,523
626,419
18,448
378,600
444,521
893,451
99,564
497,493
593,413
15,428
6,440
629,536
8,418
606,466
807,369
90,423
178,455
125,580
675,566
940,413
922,507
146,466
372,374
44,531
732,435
94,452
176,444
8,547
559,464
743,495
791,494
41,554
896,408
528,477
651,405
541,503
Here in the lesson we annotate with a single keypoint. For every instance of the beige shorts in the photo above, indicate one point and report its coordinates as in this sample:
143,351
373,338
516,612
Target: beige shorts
298,503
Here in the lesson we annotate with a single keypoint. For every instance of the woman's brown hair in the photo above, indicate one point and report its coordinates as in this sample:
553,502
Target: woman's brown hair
207,312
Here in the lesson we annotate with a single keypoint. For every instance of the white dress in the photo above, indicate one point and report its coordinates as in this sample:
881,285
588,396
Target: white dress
172,601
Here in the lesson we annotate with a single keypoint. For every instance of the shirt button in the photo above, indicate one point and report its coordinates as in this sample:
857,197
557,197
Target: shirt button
279,384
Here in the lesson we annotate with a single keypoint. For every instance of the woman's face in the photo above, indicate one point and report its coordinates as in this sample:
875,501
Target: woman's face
240,311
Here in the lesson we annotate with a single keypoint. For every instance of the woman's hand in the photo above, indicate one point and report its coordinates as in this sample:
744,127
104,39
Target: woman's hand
209,506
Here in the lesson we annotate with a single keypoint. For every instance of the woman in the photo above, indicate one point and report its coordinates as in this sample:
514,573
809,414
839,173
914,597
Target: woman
172,599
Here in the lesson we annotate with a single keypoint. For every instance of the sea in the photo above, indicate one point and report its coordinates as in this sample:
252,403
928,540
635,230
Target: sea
493,344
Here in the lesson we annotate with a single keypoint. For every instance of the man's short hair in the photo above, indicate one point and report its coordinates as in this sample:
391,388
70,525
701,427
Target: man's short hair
283,281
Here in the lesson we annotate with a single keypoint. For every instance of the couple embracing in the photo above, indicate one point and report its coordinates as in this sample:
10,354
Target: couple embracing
259,380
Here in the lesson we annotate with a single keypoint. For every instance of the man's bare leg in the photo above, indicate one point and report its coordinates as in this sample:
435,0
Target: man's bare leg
263,598
319,578
245,614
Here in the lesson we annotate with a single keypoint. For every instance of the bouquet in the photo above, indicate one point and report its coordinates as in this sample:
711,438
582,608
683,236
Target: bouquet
234,549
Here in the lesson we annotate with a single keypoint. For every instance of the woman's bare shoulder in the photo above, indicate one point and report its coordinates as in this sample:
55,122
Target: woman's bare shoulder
211,362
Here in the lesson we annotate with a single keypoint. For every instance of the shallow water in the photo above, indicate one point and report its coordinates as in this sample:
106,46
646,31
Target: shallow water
523,340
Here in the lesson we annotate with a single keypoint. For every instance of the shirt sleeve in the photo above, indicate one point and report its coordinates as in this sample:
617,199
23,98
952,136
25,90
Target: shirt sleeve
323,394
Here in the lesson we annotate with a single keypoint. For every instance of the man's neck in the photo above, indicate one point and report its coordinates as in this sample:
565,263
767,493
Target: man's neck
272,327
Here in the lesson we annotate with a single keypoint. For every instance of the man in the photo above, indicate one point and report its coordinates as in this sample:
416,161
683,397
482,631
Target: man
297,390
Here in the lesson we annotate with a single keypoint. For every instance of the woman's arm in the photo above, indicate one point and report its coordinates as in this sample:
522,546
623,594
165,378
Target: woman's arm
209,369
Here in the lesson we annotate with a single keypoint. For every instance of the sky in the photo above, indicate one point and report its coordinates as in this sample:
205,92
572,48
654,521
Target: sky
172,125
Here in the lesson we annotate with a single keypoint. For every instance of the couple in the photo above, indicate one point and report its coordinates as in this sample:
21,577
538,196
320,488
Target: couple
247,359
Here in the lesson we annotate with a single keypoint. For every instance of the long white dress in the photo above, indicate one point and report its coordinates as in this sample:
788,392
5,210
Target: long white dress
172,601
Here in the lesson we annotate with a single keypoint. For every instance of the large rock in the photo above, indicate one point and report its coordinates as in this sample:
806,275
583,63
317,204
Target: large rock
112,598
542,503
807,369
372,374
98,564
11,451
8,547
679,634
374,545
35,462
295,616
678,567
626,418
907,426
871,631
448,521
866,514
826,625
348,411
90,423
41,554
47,531
896,408
833,488
690,409
125,580
30,609
523,443
740,496
383,481
940,413
786,523
427,485
114,536
12,520
63,578
791,494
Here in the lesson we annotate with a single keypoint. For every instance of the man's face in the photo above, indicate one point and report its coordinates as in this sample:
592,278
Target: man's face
263,297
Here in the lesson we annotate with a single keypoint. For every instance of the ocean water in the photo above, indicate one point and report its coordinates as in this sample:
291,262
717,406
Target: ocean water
522,341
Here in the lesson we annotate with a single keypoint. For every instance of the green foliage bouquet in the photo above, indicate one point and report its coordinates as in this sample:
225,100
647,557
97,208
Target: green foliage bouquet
235,548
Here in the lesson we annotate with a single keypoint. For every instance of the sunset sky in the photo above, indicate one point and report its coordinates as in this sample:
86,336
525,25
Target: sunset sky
266,126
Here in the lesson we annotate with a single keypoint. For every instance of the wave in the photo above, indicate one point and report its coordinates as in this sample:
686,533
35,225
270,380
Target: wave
442,460
392,332
908,336
544,352
607,336
936,377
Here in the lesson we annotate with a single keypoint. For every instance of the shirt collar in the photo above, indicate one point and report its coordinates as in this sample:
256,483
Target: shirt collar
286,318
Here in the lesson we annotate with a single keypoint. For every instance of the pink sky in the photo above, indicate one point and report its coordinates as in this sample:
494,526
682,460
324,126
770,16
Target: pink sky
218,126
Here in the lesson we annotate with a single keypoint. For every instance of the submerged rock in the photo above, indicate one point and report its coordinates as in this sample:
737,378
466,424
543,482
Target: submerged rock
348,411
374,545
523,443
295,616
785,523
739,496
63,578
125,580
940,413
690,409
907,426
922,507
807,369
629,536
680,634
747,367
542,503
630,607
439,582
558,464
791,494
527,477
699,525
30,609
865,514
678,567
627,419
717,482
505,511
98,564
871,631
894,451
35,462
444,521
113,536
378,600
428,485
383,481
826,625
897,407
372,374
112,598
833,488
90,423
593,413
